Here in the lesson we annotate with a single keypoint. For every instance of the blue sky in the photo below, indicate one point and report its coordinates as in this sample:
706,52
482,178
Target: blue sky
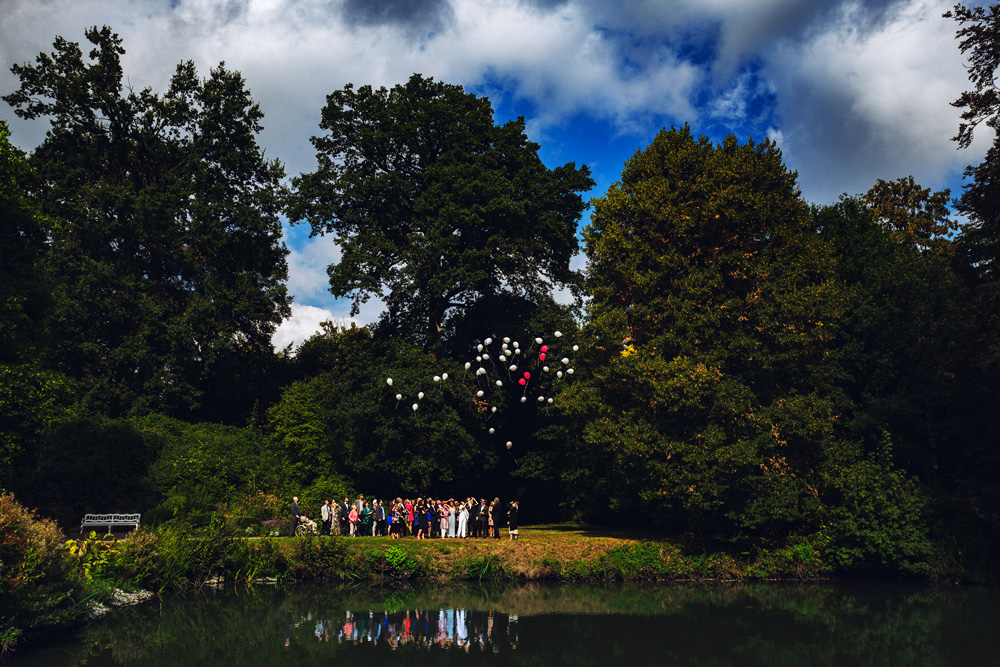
851,91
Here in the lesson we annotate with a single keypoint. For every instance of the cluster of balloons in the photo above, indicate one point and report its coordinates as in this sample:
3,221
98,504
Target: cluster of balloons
507,363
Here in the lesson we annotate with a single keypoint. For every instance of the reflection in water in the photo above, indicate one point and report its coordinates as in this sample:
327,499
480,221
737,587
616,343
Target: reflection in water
680,624
463,629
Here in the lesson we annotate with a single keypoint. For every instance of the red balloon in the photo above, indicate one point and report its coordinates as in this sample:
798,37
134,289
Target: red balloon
527,375
523,382
545,348
541,357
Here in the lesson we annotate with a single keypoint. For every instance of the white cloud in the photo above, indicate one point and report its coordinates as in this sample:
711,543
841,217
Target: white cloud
304,322
867,97
308,259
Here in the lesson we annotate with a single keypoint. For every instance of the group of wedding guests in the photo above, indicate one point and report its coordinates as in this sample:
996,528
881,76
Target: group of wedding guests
421,518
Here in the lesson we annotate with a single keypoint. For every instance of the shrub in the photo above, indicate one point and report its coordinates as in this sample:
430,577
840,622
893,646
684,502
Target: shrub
641,560
39,583
878,526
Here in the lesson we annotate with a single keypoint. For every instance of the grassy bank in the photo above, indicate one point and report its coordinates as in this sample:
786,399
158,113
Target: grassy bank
170,559
570,552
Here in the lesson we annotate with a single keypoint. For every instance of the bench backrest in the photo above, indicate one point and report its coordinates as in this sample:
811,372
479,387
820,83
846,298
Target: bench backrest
104,518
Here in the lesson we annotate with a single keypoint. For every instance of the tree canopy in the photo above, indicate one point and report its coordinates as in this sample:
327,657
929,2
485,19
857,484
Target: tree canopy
435,207
165,251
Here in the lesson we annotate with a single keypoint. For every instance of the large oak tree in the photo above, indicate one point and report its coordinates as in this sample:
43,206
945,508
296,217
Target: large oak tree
165,250
435,207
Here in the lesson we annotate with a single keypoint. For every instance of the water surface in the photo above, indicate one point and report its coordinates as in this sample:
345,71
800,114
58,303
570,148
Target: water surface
550,625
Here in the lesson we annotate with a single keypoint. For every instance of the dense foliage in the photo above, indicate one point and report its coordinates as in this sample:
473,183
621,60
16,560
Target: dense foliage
717,390
436,209
165,253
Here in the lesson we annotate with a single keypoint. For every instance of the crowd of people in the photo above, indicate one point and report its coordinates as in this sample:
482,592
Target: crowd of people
422,518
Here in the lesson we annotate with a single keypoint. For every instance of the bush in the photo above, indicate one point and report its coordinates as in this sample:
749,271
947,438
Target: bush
878,527
39,583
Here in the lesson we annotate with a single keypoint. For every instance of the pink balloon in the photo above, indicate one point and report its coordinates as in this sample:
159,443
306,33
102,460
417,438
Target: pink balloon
523,382
527,375
545,348
542,356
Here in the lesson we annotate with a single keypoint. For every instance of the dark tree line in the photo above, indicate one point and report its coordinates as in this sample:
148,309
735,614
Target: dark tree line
755,370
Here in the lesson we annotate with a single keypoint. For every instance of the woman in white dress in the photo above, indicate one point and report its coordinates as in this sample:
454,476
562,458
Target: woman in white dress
463,519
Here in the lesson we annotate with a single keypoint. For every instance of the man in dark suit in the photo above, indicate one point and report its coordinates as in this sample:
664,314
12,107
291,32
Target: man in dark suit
484,519
295,516
473,518
345,510
380,523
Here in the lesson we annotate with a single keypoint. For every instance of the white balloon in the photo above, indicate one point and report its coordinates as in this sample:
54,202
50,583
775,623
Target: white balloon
420,395
506,340
564,360
502,358
437,378
468,365
388,381
538,340
517,351
541,398
558,334
499,383
523,399
569,371
488,341
513,367
444,376
493,409
492,431
485,356
576,348
516,344
415,406
479,393
545,369
550,400
479,348
558,374
509,444
399,397
479,359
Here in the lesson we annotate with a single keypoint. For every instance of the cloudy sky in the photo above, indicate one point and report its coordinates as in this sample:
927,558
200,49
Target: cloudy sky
851,91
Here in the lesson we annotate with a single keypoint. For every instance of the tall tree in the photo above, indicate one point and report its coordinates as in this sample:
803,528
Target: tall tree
32,397
713,402
913,214
435,207
166,251
978,257
714,399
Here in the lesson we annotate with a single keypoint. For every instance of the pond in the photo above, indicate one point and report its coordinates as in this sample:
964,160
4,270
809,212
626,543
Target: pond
531,624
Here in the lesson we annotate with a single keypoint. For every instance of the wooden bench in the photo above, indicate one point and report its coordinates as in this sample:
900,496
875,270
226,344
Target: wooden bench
110,520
